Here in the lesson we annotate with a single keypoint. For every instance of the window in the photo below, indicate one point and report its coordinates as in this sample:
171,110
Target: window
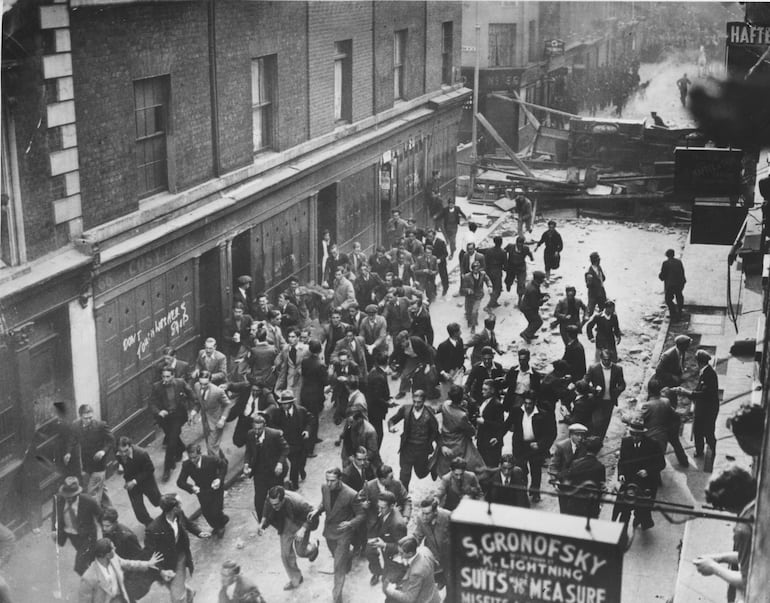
343,81
152,125
532,54
263,100
12,250
399,66
447,44
502,44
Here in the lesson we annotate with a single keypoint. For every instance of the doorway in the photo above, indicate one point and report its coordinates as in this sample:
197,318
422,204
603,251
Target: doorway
326,218
210,295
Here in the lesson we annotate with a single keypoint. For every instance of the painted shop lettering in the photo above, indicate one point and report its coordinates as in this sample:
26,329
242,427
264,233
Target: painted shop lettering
174,320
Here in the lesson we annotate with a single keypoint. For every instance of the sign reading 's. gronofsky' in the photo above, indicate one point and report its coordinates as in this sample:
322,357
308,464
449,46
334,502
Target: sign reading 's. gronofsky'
516,555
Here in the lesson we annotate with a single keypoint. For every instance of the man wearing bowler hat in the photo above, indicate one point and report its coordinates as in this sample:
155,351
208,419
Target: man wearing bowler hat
77,518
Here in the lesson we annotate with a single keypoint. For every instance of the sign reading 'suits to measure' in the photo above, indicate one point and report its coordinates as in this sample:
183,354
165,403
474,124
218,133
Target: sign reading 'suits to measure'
516,555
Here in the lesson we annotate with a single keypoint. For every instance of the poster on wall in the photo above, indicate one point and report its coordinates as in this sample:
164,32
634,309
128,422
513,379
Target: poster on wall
503,554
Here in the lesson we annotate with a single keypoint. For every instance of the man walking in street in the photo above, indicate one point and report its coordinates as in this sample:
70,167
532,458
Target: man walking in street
315,376
565,451
419,438
343,514
606,378
574,354
93,441
672,275
639,464
212,403
76,517
450,219
170,402
516,265
534,430
706,399
265,460
288,513
378,398
472,288
495,260
530,306
294,421
208,484
139,475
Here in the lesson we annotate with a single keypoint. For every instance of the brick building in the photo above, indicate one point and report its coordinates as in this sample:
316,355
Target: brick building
154,151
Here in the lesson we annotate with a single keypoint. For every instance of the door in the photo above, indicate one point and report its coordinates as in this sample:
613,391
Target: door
210,295
241,256
326,218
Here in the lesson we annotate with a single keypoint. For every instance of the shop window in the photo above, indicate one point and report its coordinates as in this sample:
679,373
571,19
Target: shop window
151,113
447,43
502,44
263,95
343,81
399,65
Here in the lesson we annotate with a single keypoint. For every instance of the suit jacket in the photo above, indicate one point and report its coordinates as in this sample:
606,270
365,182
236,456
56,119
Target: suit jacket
291,516
89,441
94,587
595,376
493,426
216,364
347,507
660,419
344,294
213,406
245,590
435,536
575,357
466,261
478,375
479,341
510,382
262,363
380,266
289,373
706,397
450,356
159,538
440,249
405,274
331,335
405,412
371,492
375,333
358,356
421,326
315,376
292,427
88,516
562,458
648,456
368,290
496,259
354,479
262,460
418,584
391,529
509,495
377,394
212,467
543,426
289,317
243,328
470,287
449,490
183,396
138,467
672,274
669,369
332,263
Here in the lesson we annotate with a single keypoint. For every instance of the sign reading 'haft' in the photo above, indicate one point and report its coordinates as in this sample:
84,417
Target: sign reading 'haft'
515,555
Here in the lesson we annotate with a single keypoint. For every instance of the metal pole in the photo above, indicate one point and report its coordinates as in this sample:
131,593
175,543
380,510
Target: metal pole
474,131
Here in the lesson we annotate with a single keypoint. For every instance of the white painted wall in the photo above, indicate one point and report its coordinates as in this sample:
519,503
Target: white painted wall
85,376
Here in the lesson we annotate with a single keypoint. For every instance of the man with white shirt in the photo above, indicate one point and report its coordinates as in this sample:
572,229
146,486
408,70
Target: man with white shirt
519,380
208,484
607,380
565,451
265,460
534,430
450,358
324,253
419,438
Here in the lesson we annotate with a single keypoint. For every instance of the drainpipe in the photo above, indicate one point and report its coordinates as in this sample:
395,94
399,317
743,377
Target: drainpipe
215,148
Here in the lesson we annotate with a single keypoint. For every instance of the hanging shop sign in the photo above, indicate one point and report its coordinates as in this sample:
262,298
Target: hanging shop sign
707,172
553,48
515,555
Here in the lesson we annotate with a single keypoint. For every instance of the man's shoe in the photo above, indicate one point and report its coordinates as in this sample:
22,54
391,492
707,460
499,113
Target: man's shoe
302,475
314,555
291,586
684,462
647,525
318,440
374,580
166,476
400,395
219,534
535,497
698,455
311,455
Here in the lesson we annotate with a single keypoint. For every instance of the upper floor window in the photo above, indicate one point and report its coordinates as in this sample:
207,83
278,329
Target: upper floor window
151,112
399,64
343,81
502,44
447,43
12,251
263,87
532,54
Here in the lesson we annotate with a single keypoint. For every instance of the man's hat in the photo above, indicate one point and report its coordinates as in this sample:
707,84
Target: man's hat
371,309
682,340
518,190
244,280
577,428
573,329
287,397
70,488
538,274
487,351
637,426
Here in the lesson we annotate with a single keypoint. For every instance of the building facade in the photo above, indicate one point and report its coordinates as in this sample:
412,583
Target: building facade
155,151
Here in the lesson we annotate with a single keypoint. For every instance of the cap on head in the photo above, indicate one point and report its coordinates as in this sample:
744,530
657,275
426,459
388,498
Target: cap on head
518,190
244,280
703,356
371,309
637,427
538,275
287,397
577,428
682,341
487,351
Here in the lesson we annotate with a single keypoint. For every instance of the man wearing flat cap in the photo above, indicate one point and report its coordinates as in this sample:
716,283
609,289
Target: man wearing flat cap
77,518
564,452
639,465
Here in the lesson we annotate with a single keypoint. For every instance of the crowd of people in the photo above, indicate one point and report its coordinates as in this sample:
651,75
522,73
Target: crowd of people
368,321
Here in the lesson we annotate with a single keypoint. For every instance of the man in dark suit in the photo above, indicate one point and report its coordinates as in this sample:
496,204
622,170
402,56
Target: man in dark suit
662,421
486,369
490,424
381,264
139,473
564,452
639,464
332,333
419,438
294,422
236,331
671,364
574,354
384,481
484,338
513,482
534,430
315,376
521,379
289,314
383,536
92,441
421,324
378,396
368,287
208,484
418,583
170,403
167,534
265,460
251,397
496,259
441,254
341,370
76,518
672,275
180,368
530,304
584,480
450,358
242,292
606,378
343,514
288,513
127,546
706,398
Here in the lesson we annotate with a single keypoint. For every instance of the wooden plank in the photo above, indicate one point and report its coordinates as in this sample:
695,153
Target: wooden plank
498,139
